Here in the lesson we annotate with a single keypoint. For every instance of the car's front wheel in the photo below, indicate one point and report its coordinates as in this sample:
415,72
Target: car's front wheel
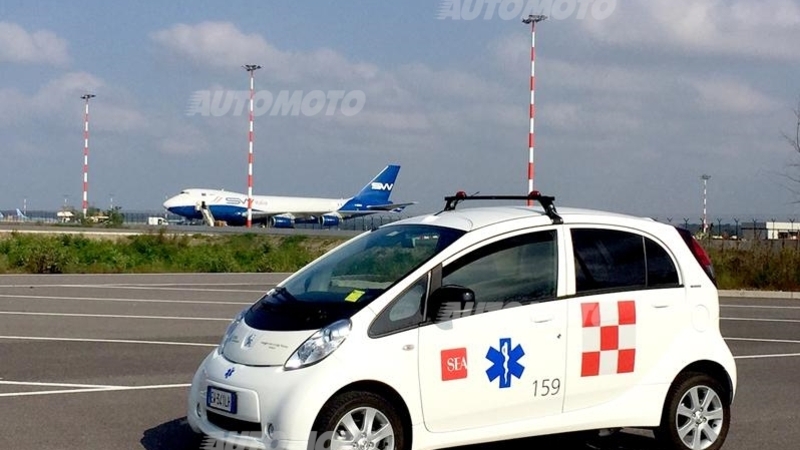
359,421
696,414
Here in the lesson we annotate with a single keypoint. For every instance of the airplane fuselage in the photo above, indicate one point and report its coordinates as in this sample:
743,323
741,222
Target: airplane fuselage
279,211
231,207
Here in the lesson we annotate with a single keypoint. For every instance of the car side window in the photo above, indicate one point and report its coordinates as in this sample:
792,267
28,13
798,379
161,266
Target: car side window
613,259
608,259
404,312
515,271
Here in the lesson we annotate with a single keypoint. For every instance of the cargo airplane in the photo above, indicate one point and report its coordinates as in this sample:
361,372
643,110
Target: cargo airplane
212,205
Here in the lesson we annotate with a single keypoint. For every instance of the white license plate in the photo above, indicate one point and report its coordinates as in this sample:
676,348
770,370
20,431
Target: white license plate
221,399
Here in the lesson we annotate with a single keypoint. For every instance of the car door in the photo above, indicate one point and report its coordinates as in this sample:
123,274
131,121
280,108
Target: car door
500,358
623,314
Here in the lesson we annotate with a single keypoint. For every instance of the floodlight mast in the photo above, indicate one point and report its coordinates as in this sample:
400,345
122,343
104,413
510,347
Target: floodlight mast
532,19
86,98
705,179
251,68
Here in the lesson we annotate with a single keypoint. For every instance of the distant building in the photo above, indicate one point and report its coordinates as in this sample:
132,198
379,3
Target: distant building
65,216
782,230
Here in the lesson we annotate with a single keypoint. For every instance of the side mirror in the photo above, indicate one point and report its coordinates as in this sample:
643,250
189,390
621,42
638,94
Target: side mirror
450,302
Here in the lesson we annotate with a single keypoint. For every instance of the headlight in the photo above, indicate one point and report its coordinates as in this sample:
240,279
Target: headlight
320,345
231,328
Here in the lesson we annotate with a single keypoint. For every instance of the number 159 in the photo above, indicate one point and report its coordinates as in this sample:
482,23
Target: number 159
546,387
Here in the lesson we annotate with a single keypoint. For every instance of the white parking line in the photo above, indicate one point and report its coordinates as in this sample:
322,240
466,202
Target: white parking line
117,286
760,306
780,355
775,341
106,341
750,319
36,383
123,300
111,316
95,389
147,288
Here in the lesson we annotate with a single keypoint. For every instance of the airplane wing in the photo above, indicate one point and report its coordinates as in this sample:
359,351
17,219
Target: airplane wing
390,206
260,214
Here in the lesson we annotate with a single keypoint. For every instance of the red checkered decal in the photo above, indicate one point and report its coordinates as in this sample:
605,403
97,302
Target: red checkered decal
609,338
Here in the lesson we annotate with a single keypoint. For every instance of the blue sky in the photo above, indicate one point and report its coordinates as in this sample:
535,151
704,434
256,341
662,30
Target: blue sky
631,109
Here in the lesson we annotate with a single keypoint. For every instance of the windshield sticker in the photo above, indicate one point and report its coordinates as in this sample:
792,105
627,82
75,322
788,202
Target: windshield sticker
454,364
609,338
505,362
354,296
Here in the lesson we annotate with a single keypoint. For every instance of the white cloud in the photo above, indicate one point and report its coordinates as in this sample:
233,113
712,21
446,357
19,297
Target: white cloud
387,120
20,46
223,45
58,102
415,98
184,139
767,29
731,96
455,84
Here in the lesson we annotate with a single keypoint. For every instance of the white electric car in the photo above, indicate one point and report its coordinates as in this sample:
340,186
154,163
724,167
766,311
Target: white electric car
477,325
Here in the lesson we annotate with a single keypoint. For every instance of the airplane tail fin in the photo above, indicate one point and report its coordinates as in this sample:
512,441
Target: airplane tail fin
376,192
20,215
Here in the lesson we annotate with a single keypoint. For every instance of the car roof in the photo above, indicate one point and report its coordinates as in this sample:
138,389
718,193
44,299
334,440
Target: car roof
468,219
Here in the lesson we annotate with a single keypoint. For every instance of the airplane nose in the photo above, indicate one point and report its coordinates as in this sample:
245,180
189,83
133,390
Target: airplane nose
170,203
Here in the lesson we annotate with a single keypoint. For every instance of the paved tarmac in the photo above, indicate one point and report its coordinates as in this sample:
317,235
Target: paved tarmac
104,361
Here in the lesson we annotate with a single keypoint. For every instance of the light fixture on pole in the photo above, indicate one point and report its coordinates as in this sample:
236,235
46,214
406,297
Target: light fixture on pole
251,68
86,98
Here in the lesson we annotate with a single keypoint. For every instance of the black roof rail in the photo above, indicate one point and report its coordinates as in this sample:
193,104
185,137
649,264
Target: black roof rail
547,202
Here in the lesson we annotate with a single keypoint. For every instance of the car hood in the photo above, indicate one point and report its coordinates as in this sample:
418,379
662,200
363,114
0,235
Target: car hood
249,346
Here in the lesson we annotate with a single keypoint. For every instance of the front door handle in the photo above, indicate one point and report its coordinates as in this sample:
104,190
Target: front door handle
542,318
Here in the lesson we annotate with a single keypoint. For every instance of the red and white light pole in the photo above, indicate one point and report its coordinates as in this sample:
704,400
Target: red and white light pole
532,20
86,98
705,179
250,68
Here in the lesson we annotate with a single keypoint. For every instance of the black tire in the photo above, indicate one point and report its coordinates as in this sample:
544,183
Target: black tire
328,424
696,414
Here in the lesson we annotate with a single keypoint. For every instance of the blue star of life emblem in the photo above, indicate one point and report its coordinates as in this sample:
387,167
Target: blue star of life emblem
230,372
505,362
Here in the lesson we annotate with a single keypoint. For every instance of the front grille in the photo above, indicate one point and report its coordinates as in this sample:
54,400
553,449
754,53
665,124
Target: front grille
235,425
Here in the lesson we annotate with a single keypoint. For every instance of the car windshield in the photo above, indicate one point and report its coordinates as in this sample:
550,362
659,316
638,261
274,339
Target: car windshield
348,278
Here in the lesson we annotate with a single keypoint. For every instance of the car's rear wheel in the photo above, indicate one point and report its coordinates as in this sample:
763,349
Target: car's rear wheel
359,421
696,414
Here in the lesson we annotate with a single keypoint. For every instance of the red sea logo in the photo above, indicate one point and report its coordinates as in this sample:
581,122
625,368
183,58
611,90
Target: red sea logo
454,364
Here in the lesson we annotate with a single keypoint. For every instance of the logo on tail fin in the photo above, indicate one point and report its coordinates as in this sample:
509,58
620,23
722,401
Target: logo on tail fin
376,192
378,186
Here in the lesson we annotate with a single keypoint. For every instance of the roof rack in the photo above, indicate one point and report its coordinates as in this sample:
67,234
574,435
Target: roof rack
546,201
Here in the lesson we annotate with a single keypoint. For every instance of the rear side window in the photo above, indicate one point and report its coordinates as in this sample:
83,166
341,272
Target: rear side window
613,260
661,270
